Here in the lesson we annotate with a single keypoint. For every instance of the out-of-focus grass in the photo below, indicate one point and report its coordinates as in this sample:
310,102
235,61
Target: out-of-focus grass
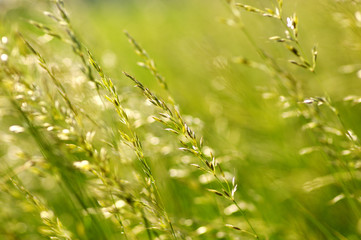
238,110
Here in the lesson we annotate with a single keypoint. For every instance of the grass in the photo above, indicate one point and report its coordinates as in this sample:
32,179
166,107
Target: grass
242,124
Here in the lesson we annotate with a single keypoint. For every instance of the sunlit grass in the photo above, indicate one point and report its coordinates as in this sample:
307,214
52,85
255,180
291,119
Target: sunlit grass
168,120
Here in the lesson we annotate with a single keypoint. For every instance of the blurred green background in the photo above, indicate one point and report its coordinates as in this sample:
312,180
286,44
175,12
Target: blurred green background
236,108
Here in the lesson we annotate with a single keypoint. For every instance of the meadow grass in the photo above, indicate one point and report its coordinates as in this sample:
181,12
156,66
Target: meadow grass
244,125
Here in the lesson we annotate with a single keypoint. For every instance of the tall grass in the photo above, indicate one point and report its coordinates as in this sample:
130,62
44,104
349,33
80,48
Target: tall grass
84,155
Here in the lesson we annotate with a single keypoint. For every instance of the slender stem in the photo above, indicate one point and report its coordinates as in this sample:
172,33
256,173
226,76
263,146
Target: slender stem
246,218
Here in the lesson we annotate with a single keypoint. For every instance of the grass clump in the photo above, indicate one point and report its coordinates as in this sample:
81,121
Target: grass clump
84,155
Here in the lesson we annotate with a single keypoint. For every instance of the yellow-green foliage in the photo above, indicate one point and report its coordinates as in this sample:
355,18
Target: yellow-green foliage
225,119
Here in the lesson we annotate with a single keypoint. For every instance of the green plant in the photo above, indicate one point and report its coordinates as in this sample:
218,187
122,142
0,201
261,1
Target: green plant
85,156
